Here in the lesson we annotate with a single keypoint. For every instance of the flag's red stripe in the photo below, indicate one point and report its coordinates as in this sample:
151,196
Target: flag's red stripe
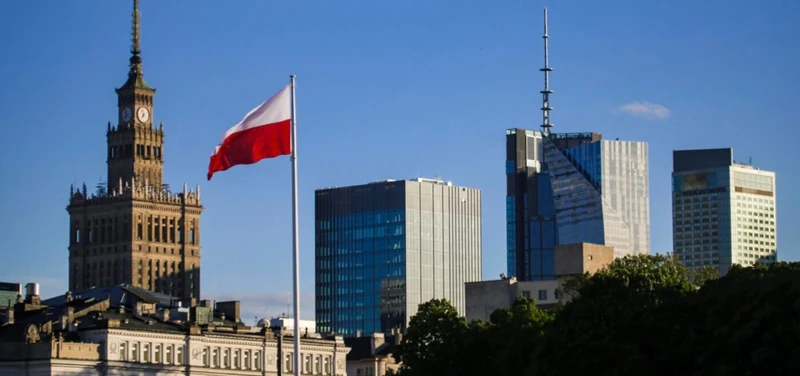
252,145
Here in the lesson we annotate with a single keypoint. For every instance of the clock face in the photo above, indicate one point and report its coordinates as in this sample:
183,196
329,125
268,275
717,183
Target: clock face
126,114
143,114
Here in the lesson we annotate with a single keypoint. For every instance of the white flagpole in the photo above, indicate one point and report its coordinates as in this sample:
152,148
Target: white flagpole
295,239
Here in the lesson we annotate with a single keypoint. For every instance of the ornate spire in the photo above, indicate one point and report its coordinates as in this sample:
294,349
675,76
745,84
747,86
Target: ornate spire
135,50
135,75
546,92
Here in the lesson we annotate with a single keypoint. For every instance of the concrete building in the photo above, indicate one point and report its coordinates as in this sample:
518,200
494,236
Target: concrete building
723,212
485,297
134,229
384,248
372,355
125,330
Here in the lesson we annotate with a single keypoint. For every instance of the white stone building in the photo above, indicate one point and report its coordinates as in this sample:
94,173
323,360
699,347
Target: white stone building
137,336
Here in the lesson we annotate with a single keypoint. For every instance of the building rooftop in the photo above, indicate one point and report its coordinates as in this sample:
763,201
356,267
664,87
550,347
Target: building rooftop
436,180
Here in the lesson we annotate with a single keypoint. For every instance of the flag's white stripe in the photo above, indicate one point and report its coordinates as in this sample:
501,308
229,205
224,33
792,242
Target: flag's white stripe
276,109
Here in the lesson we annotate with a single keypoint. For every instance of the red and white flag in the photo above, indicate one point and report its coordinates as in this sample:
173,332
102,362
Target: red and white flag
265,132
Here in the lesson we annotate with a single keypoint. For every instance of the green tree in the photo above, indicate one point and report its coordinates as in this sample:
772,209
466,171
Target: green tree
512,334
625,319
433,342
750,320
704,274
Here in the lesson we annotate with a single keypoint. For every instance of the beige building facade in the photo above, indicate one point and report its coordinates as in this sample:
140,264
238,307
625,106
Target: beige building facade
485,297
130,331
134,229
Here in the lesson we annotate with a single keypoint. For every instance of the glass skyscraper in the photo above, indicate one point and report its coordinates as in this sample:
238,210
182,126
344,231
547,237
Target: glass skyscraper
723,213
384,248
572,188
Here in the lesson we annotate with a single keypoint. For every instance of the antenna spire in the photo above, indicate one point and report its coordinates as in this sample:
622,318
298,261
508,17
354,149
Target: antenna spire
135,50
546,92
135,74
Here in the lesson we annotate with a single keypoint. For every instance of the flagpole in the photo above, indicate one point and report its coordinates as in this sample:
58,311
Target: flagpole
295,239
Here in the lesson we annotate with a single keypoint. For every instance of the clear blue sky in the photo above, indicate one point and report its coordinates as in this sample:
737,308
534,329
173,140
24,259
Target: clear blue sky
386,89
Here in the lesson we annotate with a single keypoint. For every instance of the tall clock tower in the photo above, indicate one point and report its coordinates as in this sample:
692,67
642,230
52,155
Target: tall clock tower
133,229
135,149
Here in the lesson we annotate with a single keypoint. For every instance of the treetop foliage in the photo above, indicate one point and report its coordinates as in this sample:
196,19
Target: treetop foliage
643,314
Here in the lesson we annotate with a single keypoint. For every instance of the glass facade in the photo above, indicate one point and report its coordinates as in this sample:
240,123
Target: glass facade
9,293
384,248
573,188
723,212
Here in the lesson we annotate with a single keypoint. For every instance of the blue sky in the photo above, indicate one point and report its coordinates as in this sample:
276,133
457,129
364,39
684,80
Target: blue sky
386,89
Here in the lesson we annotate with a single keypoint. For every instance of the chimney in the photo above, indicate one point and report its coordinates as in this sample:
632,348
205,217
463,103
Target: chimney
10,318
70,315
377,342
163,314
32,294
231,309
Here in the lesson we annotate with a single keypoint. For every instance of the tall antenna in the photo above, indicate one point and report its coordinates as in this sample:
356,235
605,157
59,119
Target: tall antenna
135,50
546,92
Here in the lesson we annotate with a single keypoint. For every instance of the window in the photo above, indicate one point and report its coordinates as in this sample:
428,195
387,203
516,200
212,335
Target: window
225,355
168,354
214,358
542,294
205,357
526,294
236,359
146,353
123,355
326,365
134,352
287,362
157,353
246,358
316,365
257,360
307,364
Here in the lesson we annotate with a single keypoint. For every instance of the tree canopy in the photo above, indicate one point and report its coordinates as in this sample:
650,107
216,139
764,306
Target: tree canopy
644,314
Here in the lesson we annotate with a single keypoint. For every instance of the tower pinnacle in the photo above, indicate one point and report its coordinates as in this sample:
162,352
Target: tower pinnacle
546,92
135,48
135,75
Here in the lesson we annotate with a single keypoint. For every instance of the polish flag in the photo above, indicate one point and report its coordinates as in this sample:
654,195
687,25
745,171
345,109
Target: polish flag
265,132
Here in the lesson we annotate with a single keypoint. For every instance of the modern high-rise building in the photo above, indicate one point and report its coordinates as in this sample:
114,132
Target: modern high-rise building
384,248
723,212
565,188
134,229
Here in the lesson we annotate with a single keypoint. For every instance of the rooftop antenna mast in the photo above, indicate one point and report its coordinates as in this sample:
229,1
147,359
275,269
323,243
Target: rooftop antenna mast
546,92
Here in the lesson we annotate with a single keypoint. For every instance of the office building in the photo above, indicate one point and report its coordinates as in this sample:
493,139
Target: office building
384,248
573,188
723,212
134,229
565,188
9,293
